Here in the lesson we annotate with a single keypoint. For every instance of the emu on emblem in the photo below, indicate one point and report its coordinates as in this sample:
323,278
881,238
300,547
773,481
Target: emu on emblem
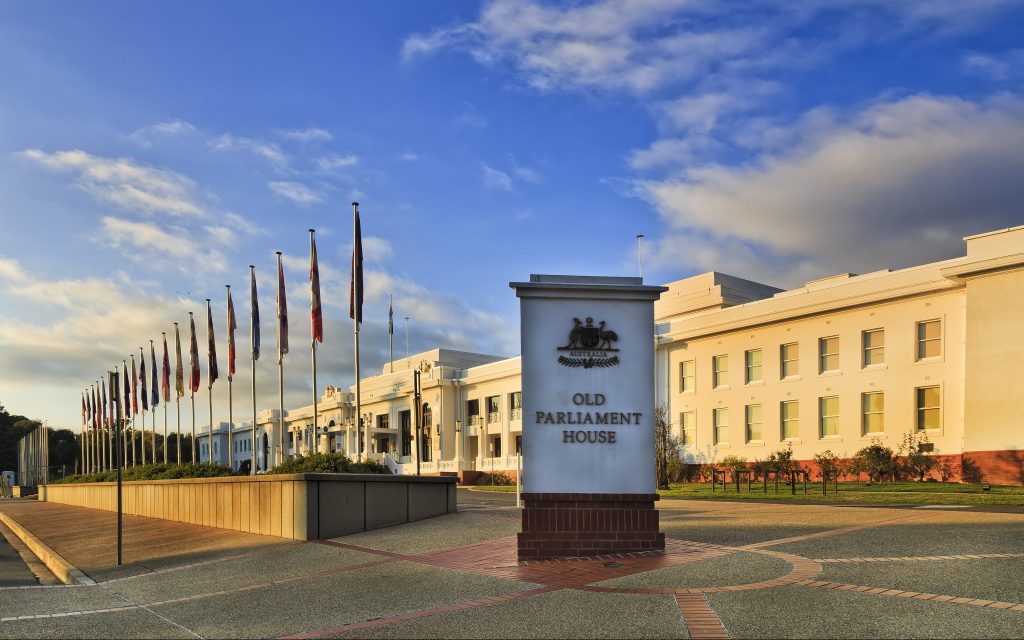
589,345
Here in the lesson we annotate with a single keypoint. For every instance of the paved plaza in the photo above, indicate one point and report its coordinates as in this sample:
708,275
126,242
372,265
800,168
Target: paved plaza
730,569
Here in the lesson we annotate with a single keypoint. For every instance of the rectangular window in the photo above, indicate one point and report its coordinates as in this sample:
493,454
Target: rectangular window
929,406
720,375
384,421
473,407
721,417
873,412
790,419
929,339
753,419
687,377
829,409
789,356
874,347
515,405
753,361
828,354
688,428
405,420
519,445
493,405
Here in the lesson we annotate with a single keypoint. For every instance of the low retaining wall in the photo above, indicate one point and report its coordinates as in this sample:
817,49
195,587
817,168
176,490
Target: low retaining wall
300,506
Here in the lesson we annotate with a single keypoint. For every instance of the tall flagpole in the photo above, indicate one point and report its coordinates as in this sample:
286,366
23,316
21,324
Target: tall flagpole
142,360
102,433
178,389
254,354
314,298
391,332
282,348
164,373
191,381
356,312
209,374
231,366
154,392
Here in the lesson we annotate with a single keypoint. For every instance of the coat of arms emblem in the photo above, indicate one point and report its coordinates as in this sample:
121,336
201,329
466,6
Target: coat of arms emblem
589,345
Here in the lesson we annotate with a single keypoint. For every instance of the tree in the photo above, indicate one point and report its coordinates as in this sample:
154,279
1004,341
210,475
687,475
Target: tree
876,460
736,464
667,462
913,457
827,463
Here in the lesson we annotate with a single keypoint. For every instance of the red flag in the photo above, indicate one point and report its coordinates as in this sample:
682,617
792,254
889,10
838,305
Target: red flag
211,345
135,389
165,383
232,325
282,310
355,292
193,355
83,410
95,410
314,292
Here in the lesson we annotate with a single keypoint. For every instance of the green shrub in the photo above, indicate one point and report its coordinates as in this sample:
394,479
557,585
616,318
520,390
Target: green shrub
327,463
828,463
152,472
736,464
497,479
876,460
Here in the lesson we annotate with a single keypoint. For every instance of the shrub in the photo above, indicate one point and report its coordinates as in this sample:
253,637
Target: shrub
913,459
876,460
327,463
736,464
828,463
152,472
946,470
498,479
781,460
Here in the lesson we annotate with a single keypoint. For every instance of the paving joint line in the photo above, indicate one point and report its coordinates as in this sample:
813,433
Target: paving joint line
916,595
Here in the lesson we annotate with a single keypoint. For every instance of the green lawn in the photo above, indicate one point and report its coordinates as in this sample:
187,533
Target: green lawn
849,492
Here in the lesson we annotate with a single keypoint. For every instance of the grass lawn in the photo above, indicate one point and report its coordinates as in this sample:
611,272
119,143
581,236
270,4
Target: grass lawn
849,492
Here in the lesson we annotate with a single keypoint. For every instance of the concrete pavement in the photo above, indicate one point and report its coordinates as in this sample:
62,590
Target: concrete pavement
730,570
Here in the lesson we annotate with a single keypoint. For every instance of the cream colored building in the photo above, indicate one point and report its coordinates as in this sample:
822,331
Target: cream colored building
744,368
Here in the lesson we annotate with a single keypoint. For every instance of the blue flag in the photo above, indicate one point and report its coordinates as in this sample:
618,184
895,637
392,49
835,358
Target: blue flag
155,388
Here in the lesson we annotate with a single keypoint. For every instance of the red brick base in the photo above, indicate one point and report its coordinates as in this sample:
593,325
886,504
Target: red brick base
560,525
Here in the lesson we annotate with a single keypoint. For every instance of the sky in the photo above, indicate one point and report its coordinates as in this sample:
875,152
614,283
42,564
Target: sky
150,152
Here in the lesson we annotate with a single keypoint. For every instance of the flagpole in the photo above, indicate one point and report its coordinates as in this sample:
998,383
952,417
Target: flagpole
253,347
279,458
177,390
209,387
391,332
163,375
312,250
355,326
191,386
152,407
142,446
231,362
103,440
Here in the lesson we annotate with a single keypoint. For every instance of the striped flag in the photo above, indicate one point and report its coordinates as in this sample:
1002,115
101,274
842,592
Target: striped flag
355,293
135,389
282,310
193,356
142,379
232,325
155,389
165,385
254,315
211,345
314,292
179,375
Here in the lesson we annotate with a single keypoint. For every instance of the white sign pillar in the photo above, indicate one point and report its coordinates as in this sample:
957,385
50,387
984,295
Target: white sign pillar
588,416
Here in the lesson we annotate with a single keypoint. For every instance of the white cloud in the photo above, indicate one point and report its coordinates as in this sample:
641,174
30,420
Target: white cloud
266,150
408,156
307,135
995,67
334,161
142,241
125,183
145,135
901,181
495,178
470,117
294,191
523,172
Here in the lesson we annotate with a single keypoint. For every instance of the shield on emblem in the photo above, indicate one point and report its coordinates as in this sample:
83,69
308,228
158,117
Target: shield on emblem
590,337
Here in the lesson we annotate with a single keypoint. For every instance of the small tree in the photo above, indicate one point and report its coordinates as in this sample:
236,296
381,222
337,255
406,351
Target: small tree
666,448
828,463
876,460
912,456
736,464
946,470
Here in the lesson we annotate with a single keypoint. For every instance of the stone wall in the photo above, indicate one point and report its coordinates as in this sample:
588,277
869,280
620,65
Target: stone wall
302,506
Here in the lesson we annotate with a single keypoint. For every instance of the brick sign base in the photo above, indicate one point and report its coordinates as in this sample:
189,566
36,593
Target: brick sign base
562,525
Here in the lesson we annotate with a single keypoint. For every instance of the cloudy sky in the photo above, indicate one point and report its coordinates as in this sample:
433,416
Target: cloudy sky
149,152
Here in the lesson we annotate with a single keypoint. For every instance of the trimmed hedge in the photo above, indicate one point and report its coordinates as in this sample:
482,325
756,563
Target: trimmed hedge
327,463
152,472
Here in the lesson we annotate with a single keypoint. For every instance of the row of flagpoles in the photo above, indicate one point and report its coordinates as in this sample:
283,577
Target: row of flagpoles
99,428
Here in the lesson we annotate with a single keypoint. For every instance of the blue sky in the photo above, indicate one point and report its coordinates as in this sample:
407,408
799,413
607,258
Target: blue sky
149,152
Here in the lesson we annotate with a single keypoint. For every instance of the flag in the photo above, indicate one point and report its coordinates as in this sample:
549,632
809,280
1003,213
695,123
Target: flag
103,403
127,391
88,407
314,292
179,377
142,379
135,389
95,410
166,382
193,356
211,345
254,315
391,318
155,389
355,293
232,325
282,310
83,410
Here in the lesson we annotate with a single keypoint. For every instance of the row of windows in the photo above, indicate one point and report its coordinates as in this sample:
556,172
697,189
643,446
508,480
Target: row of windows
927,409
929,345
493,404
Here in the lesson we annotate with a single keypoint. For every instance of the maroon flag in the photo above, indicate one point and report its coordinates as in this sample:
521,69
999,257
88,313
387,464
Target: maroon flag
232,325
282,310
83,411
135,389
142,380
165,382
355,293
211,345
193,355
314,292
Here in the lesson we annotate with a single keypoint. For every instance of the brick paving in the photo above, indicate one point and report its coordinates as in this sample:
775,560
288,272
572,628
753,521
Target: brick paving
495,558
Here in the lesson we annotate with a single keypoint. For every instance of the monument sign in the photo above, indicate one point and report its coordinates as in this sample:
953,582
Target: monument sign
588,416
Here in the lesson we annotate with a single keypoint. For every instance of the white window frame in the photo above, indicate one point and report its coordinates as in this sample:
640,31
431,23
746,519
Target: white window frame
716,425
690,441
783,420
867,350
865,413
748,422
692,377
824,355
919,342
822,417
783,375
717,375
918,409
748,367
